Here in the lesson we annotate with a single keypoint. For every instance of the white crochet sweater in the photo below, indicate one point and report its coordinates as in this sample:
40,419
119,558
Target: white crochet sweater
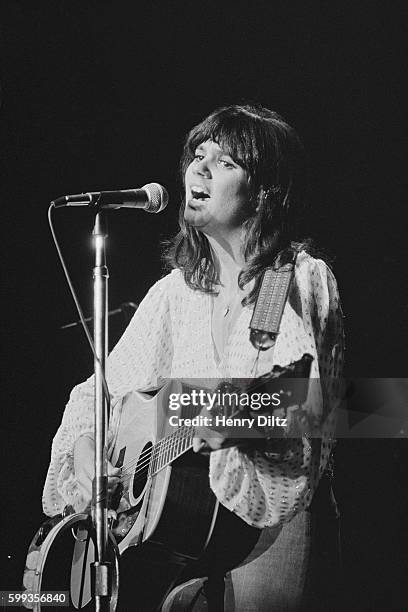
170,337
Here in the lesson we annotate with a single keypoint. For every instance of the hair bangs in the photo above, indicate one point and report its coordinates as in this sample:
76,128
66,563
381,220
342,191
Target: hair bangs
235,138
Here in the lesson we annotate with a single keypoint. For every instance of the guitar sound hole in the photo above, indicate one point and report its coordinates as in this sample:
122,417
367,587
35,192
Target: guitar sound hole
142,470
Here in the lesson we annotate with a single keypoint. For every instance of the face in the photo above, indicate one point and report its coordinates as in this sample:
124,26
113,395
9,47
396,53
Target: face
217,192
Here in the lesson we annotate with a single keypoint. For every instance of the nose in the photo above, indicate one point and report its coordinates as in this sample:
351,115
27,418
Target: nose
201,167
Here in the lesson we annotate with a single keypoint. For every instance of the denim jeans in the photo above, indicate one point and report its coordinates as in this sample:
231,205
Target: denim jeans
291,568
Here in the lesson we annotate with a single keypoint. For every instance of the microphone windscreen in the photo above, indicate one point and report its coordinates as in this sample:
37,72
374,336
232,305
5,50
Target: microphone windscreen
158,197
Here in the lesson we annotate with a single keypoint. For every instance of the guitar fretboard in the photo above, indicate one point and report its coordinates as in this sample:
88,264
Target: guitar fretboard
175,444
170,448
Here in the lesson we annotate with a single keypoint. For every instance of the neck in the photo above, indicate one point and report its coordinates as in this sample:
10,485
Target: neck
228,258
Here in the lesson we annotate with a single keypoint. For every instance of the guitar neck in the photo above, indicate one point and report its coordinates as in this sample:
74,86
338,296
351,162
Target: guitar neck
180,441
170,448
173,446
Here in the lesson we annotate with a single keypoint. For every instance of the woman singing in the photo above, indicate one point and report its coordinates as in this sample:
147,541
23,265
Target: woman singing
243,173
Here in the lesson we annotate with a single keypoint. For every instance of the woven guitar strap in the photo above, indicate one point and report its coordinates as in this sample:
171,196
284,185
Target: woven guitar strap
270,303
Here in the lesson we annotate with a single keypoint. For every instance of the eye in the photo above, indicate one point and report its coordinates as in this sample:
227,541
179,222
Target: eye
226,163
198,157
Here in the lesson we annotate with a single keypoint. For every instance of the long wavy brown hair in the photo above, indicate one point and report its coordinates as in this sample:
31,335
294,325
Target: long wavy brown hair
272,154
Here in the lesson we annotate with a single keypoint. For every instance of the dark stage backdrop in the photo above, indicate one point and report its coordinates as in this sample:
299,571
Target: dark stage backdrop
99,95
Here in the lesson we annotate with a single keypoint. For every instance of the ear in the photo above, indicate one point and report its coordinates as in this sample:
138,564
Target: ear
262,194
272,193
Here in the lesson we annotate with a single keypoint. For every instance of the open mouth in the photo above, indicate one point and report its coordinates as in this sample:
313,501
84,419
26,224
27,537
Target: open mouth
198,194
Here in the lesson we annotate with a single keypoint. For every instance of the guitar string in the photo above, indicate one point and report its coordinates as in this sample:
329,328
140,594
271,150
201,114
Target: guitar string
185,436
164,443
159,450
251,387
163,447
159,455
145,467
140,473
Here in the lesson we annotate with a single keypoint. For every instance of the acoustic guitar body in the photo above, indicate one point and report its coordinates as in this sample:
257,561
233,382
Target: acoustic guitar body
168,528
174,529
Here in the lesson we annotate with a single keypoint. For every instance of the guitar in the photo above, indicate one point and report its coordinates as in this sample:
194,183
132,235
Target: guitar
163,508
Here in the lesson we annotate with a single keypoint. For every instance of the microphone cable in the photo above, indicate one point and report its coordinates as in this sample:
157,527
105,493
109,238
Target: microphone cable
77,305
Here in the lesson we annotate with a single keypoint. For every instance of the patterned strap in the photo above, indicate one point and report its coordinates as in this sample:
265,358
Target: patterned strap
270,303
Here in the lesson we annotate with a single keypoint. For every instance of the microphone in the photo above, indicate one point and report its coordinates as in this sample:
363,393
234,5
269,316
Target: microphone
152,198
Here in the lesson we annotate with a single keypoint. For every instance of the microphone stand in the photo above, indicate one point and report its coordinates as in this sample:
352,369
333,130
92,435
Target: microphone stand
101,568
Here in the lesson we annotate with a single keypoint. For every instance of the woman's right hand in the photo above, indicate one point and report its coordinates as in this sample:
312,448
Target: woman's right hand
84,450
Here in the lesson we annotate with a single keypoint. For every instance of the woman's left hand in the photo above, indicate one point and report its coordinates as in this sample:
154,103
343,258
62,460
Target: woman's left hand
207,440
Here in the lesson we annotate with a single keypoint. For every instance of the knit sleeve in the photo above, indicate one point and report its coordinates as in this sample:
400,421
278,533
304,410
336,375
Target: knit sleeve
327,320
322,320
263,490
139,362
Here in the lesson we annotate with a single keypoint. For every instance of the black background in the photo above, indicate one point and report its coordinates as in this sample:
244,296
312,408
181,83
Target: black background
99,95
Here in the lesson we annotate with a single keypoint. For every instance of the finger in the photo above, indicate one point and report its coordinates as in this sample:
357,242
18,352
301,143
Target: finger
114,471
198,444
112,515
113,481
112,486
215,443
